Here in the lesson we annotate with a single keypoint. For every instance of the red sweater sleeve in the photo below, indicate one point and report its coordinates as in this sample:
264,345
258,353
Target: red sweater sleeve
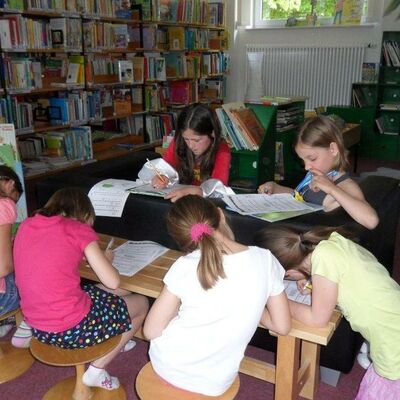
222,163
169,155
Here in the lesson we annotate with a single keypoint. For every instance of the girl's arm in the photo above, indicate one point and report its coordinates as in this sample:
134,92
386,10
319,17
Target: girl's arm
272,187
102,267
349,195
276,315
164,309
324,298
222,164
6,258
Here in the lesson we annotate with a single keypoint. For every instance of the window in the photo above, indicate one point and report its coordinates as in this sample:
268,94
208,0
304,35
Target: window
276,12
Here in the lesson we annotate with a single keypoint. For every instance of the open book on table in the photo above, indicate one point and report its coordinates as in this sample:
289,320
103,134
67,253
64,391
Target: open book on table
270,208
140,187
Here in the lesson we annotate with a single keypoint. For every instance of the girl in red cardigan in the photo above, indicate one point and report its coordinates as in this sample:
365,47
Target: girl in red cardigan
197,152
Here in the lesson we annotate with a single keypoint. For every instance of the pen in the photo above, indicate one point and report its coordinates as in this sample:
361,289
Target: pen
308,285
110,244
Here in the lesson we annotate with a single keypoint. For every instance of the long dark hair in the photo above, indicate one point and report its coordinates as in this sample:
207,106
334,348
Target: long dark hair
8,174
69,202
292,245
201,119
182,216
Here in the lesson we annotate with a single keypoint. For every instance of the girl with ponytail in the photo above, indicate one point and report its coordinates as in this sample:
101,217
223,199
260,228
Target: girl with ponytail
213,299
347,275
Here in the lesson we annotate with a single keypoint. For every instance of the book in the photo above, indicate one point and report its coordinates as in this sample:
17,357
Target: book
125,71
168,10
250,124
369,72
58,32
122,101
176,37
73,73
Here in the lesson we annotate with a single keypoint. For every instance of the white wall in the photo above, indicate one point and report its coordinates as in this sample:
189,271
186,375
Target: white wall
239,15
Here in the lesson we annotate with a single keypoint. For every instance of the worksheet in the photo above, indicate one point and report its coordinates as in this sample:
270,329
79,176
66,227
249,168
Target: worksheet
132,256
293,293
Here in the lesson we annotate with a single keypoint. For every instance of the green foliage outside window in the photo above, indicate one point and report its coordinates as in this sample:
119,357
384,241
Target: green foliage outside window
283,9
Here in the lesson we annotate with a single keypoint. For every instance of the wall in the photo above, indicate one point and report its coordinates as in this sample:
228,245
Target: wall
239,17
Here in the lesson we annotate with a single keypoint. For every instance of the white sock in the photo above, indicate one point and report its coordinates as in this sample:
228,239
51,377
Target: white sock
100,378
22,336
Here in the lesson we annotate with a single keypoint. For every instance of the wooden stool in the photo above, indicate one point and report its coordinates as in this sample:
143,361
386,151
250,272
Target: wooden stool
150,386
13,360
73,387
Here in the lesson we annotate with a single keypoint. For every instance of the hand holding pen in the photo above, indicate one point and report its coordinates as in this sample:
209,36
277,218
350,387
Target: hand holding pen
159,181
304,286
109,252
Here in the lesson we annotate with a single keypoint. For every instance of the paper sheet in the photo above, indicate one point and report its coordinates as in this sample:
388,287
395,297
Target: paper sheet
293,293
248,204
132,256
109,197
140,187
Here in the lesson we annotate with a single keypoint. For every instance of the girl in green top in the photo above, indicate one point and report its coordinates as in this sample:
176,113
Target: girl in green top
347,275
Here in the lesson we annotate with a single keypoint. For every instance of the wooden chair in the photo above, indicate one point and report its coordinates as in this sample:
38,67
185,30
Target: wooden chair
149,386
13,360
73,387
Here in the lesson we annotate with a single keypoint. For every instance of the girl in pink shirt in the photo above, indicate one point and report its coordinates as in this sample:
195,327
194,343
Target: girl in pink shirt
47,252
10,191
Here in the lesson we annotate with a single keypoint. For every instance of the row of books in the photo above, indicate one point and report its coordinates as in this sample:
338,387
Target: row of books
391,53
18,32
288,118
23,73
189,11
181,38
240,126
160,125
74,144
104,8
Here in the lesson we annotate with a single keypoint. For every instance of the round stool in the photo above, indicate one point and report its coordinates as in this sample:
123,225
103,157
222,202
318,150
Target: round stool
150,386
73,387
13,360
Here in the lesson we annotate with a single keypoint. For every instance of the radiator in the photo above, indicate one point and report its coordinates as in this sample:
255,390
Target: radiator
323,74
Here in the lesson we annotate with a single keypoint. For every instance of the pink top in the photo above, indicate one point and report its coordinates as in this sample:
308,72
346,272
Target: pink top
221,166
47,253
8,215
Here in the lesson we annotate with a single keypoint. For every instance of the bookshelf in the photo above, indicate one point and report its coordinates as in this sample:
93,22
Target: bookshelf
381,100
85,77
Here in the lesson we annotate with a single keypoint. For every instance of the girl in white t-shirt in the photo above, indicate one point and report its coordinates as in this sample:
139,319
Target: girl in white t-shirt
213,299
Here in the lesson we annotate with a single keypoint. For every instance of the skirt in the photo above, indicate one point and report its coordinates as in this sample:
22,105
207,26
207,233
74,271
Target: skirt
376,387
108,316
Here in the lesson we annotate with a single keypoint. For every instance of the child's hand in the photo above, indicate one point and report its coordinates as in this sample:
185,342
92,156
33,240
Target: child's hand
321,182
301,286
160,183
109,255
267,188
177,194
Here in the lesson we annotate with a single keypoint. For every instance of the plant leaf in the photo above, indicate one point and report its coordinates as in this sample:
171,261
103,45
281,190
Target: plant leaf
391,7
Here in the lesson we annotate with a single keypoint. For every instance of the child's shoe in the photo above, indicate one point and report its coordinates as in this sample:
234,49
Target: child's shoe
4,329
128,346
362,357
22,336
100,378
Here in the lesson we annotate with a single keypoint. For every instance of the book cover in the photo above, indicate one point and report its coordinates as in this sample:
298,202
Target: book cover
73,73
176,37
249,124
180,92
125,71
121,36
122,9
58,32
369,72
122,101
168,10
138,69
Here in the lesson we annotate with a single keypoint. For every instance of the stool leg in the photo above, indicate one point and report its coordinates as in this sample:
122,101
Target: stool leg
81,391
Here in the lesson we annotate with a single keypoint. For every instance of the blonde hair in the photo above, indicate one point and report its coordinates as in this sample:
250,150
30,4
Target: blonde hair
321,132
69,202
183,215
292,245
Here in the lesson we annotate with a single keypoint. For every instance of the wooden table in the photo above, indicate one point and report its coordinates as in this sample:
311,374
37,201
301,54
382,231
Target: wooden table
297,365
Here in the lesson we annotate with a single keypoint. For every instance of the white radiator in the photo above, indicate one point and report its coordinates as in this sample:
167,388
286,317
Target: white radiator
323,74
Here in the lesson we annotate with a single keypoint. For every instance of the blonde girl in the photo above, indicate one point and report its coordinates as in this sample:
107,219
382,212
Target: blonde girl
319,144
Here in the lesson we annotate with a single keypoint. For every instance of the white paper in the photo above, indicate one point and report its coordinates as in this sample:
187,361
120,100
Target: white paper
132,256
139,187
247,204
294,294
109,197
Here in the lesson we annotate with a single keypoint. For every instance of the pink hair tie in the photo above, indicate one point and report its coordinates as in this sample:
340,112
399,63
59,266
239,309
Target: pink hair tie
200,229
